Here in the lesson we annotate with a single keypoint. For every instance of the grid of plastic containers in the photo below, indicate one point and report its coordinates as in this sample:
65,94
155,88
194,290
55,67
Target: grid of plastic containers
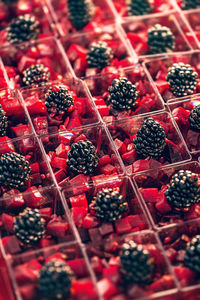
73,233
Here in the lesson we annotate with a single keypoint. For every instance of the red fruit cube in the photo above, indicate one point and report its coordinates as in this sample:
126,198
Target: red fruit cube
162,86
162,205
140,165
46,213
150,195
78,214
137,221
103,110
121,147
35,168
73,123
41,125
81,182
108,169
112,273
90,221
123,225
21,130
96,264
107,288
35,105
60,175
75,51
25,62
7,221
106,228
79,201
78,266
84,289
57,229
24,275
185,275
11,244
27,291
59,163
15,199
129,157
104,160
34,198
12,107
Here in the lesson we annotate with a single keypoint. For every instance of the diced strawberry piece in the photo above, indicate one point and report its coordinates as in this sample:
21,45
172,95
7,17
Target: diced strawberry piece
121,147
112,273
99,101
25,62
129,157
46,213
96,264
75,51
60,175
136,221
73,123
78,266
123,225
162,205
35,168
103,110
35,105
90,221
107,288
79,201
59,163
62,151
34,264
78,214
21,130
140,165
165,281
162,85
84,289
194,212
41,125
36,179
12,107
79,181
27,291
104,160
11,244
7,221
106,228
185,275
81,137
108,169
15,199
181,115
44,243
24,275
150,195
33,197
57,229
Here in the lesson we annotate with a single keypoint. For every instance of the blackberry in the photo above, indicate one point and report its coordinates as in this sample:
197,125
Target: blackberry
3,122
190,4
182,79
183,190
55,280
36,74
192,255
123,94
194,118
99,55
59,100
14,170
23,28
136,263
138,7
29,227
109,205
160,39
81,12
150,139
9,1
82,157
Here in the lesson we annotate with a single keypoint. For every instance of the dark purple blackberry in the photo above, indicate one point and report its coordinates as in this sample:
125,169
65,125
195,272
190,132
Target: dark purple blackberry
23,28
136,263
81,12
3,122
123,94
9,1
194,118
59,100
183,190
14,170
99,55
182,79
138,7
190,4
55,280
192,255
109,205
29,227
150,139
36,74
82,158
160,39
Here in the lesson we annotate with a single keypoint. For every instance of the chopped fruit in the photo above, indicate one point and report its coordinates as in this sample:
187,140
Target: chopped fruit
81,12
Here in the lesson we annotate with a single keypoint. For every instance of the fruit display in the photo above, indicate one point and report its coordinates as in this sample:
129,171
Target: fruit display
99,149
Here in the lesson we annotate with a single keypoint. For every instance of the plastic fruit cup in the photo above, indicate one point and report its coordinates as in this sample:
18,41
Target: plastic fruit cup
192,17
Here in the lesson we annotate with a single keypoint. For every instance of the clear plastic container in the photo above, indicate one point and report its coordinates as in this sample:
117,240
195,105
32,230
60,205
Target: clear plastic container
56,223
136,31
76,47
158,69
181,111
151,188
147,101
82,113
92,229
192,16
123,132
59,10
58,146
47,51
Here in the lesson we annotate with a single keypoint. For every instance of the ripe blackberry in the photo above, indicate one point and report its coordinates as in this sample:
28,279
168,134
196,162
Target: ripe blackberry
55,280
109,205
29,227
160,39
3,122
59,100
190,4
150,139
137,7
23,28
14,170
136,263
182,79
123,94
99,55
81,12
36,74
183,190
192,254
194,118
9,1
82,157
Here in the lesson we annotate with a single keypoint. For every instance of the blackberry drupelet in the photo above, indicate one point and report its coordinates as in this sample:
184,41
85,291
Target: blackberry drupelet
182,79
123,94
150,139
183,190
99,55
14,170
190,4
3,122
194,118
81,12
138,7
36,74
55,280
59,100
109,205
29,227
136,263
160,39
9,1
192,255
82,157
23,28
